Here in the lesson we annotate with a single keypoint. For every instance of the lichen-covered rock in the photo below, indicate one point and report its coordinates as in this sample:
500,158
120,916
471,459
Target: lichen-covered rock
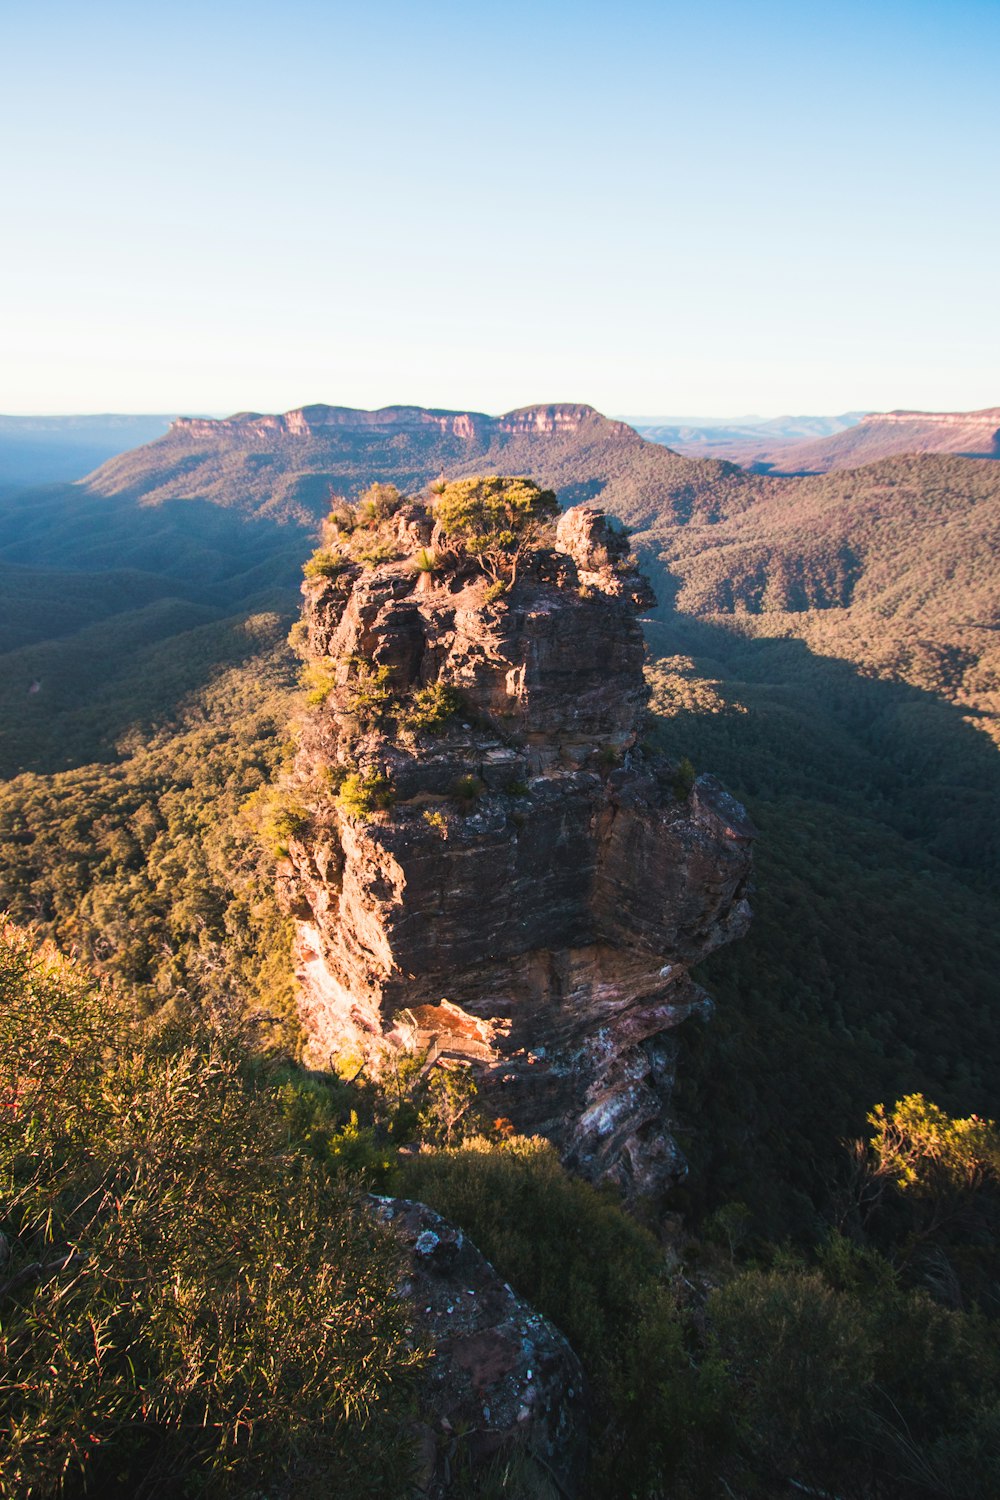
499,1375
531,903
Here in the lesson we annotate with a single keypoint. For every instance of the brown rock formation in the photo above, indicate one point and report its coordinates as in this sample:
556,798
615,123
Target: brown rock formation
534,898
501,1376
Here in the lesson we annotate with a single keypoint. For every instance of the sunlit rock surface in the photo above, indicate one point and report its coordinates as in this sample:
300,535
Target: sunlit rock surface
534,899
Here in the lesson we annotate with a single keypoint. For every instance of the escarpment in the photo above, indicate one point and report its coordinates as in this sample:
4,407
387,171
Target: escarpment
484,863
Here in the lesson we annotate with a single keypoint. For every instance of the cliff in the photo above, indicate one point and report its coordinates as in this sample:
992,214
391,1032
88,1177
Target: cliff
486,864
284,467
313,421
887,434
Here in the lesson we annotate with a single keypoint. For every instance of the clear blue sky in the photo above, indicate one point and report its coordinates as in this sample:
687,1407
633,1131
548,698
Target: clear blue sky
657,208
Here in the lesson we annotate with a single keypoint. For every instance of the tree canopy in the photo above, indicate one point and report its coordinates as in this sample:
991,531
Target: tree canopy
496,519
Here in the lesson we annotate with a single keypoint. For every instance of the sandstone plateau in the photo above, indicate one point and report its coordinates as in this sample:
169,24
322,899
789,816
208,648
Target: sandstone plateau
533,894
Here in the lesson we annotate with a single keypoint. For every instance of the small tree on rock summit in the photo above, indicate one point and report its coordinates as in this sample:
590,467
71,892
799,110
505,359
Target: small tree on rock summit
496,520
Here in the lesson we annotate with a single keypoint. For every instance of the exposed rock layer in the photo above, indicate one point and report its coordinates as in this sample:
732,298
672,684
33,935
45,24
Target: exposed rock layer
534,899
501,1376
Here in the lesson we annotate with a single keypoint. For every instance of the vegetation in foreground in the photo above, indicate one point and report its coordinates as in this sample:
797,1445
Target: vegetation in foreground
192,1301
189,1304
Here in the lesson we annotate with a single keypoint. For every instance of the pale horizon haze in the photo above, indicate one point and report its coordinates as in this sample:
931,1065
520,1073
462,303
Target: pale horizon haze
732,207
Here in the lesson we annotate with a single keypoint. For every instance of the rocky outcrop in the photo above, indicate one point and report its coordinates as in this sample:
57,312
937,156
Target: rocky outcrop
500,1375
532,901
310,421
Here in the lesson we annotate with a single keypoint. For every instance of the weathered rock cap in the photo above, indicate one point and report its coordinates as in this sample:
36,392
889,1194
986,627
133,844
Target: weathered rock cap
601,553
501,1374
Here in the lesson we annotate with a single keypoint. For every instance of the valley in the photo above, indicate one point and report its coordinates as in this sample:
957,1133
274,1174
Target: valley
824,645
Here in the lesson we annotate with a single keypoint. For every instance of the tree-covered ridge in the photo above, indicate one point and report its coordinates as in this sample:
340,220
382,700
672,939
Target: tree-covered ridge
151,865
892,567
264,468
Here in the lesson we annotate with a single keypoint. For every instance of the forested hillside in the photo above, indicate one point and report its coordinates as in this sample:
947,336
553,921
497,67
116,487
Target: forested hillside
824,645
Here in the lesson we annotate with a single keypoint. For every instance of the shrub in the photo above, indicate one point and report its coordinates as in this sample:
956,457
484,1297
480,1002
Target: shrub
467,790
432,708
371,550
284,819
298,639
319,678
426,561
186,1302
369,695
377,503
363,794
496,520
684,778
577,1257
325,563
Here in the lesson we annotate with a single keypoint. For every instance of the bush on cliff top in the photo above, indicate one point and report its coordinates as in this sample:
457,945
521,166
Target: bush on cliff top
496,520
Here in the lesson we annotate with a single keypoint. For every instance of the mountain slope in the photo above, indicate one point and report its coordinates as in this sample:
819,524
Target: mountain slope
47,450
740,441
974,434
284,467
893,567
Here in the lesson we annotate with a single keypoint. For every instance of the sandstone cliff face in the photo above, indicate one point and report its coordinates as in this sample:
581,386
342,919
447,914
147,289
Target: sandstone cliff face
309,421
531,903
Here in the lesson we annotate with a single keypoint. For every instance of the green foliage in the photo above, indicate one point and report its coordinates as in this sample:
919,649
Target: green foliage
377,503
365,793
803,1362
326,563
929,1155
873,805
283,818
865,1388
372,550
602,1279
426,560
496,520
369,696
158,869
448,1109
323,1118
432,708
467,790
924,1189
183,1295
358,533
684,778
319,678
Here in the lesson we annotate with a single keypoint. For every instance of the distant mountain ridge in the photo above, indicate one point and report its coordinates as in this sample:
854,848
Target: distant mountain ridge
313,421
284,467
52,450
739,439
972,434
